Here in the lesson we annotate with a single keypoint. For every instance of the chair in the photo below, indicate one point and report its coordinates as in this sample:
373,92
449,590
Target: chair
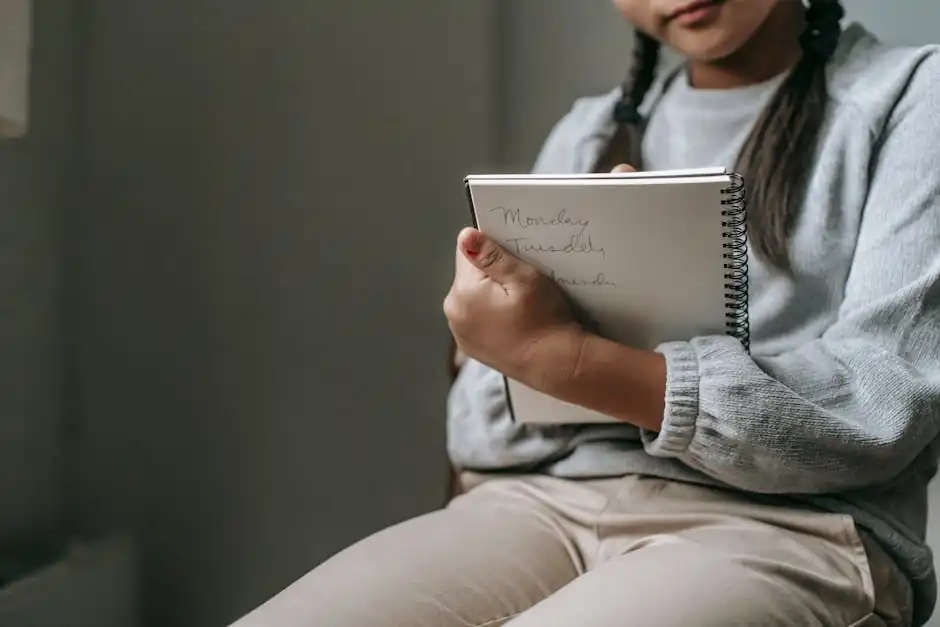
453,487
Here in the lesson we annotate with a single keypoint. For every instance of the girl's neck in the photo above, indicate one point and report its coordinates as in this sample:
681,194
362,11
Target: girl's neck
772,50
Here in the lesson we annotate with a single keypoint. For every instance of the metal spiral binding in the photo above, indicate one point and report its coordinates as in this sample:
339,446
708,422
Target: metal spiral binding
736,272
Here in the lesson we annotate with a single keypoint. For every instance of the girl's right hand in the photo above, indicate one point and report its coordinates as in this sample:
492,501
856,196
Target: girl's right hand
456,355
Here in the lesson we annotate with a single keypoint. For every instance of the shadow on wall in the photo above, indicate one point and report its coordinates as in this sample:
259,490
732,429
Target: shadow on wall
272,195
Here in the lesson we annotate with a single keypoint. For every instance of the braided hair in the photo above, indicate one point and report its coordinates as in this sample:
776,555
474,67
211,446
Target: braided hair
774,157
624,145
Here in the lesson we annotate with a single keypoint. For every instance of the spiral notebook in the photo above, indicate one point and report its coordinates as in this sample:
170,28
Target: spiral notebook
645,257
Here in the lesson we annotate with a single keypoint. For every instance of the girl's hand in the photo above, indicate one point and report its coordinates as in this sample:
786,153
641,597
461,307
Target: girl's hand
506,314
623,168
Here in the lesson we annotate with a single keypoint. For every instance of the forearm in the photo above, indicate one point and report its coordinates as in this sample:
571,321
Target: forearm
802,435
613,379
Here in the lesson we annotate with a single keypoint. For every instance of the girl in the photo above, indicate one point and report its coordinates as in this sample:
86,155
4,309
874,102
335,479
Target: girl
782,488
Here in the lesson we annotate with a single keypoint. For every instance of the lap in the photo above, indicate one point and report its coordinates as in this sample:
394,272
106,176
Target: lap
714,576
479,562
538,552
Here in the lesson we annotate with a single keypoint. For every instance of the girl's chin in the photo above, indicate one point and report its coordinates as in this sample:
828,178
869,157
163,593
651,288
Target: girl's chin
702,47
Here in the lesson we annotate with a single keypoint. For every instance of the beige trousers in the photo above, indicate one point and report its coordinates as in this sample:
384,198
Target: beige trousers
536,551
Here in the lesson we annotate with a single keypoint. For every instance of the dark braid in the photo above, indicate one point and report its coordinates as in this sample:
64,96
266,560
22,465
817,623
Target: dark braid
784,140
642,75
623,145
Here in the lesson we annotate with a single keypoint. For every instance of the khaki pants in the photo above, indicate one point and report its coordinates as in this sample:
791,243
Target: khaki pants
536,551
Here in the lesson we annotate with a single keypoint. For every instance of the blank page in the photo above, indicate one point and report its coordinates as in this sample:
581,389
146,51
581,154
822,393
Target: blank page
641,256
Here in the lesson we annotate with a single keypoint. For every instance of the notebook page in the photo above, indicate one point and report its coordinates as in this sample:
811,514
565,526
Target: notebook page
641,258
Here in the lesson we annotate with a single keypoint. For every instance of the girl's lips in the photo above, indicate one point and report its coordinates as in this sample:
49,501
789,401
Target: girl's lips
696,13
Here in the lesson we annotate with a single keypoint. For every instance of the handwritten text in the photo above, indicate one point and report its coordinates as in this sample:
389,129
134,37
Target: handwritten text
600,280
577,244
516,217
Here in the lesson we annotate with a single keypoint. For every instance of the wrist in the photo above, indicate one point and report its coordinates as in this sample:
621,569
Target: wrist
553,360
617,380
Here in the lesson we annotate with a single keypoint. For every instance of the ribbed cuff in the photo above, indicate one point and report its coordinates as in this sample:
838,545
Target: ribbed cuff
682,385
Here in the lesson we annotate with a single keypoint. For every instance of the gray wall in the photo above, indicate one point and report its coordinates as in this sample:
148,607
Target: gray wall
905,22
556,51
35,186
272,193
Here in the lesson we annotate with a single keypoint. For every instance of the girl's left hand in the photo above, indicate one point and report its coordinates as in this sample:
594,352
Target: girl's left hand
506,314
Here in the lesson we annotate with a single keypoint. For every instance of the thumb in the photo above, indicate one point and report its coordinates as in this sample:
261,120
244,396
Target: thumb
623,168
490,258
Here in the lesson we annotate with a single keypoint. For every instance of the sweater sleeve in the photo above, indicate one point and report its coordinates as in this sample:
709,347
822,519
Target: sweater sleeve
858,405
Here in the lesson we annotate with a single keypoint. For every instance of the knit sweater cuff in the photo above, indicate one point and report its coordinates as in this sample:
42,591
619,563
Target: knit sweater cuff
682,402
